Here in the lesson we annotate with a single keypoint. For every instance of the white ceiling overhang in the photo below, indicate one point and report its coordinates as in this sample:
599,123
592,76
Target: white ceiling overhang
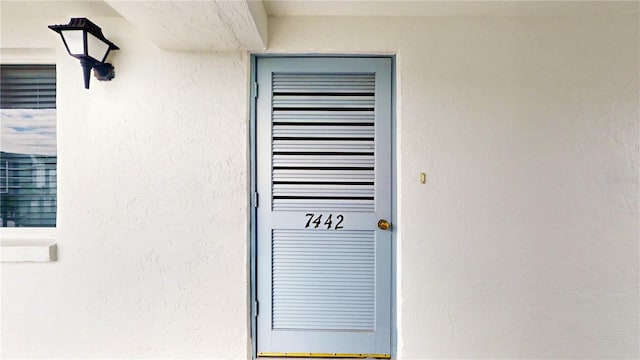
414,8
213,25
229,25
222,25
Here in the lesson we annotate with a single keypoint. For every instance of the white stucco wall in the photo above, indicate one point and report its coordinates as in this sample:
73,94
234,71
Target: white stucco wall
524,241
522,244
152,212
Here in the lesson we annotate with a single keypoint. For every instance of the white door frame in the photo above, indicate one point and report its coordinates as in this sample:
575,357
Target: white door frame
253,200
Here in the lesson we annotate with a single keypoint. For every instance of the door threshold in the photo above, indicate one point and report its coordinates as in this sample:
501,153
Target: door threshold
319,356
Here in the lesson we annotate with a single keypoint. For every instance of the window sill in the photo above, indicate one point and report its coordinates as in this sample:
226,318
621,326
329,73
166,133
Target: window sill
15,253
28,245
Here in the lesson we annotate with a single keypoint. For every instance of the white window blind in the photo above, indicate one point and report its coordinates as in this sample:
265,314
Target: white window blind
28,155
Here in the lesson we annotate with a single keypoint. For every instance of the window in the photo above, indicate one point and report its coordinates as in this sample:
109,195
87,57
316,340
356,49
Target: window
28,155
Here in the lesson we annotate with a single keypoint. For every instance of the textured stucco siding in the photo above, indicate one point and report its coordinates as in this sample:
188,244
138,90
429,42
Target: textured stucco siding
152,213
523,243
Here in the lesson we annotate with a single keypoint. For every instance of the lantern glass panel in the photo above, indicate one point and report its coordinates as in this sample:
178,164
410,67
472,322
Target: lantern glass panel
97,48
74,40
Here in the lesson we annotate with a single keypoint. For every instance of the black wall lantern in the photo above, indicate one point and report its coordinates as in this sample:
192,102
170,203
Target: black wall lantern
84,40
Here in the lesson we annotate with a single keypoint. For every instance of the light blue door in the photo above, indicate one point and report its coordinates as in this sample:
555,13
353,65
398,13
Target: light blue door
323,133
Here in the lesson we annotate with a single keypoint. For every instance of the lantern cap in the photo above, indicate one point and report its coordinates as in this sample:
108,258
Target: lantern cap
86,25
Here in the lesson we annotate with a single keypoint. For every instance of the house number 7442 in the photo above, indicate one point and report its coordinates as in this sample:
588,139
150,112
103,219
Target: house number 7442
316,222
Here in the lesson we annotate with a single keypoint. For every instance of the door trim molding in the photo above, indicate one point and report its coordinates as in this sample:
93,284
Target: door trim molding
252,201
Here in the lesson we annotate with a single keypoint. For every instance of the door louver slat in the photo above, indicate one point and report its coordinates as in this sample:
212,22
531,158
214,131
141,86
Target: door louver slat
337,159
322,139
298,130
322,116
314,146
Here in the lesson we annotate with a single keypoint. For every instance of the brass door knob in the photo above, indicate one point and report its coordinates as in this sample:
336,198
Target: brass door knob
383,224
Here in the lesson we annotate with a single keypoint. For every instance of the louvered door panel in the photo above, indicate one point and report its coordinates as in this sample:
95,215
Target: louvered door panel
323,138
323,281
323,157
